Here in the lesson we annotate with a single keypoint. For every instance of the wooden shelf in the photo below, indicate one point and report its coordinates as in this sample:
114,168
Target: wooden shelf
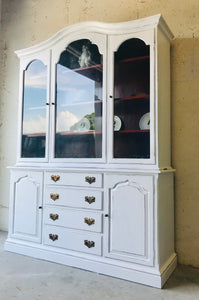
133,131
93,72
98,67
70,133
134,59
141,96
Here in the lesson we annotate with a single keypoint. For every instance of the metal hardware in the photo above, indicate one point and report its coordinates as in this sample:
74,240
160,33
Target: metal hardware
89,221
89,179
47,104
106,215
55,177
40,207
54,216
110,96
89,244
53,237
89,199
53,103
54,196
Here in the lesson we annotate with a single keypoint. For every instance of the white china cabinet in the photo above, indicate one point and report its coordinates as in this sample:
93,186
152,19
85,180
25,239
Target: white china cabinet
93,183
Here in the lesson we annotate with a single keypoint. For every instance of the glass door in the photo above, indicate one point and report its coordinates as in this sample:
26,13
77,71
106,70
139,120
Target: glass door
34,112
131,101
79,94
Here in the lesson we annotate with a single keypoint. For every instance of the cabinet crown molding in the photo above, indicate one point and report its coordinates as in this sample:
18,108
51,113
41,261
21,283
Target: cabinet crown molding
100,27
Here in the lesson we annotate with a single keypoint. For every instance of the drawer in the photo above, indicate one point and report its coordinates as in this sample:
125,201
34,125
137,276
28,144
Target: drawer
86,179
77,219
66,196
71,240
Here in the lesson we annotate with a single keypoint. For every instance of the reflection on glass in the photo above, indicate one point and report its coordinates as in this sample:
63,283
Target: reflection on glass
34,110
132,100
79,102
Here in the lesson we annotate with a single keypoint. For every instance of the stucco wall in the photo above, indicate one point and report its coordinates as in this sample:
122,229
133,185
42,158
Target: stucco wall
27,22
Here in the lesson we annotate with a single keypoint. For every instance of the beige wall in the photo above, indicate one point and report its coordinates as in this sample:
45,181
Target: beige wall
27,22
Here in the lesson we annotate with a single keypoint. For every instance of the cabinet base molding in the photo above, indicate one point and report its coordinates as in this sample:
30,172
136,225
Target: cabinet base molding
150,276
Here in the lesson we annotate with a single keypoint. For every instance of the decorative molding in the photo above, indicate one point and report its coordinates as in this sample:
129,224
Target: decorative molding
98,27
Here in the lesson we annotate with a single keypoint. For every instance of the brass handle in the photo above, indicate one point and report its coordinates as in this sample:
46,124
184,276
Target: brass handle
89,179
89,244
55,177
54,196
89,221
54,216
53,237
89,199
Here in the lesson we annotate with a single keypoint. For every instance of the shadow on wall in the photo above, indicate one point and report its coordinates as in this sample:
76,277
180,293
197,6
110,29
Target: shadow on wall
185,146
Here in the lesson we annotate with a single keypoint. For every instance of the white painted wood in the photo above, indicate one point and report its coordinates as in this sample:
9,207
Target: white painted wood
73,197
133,210
26,200
71,218
73,240
144,275
74,179
130,218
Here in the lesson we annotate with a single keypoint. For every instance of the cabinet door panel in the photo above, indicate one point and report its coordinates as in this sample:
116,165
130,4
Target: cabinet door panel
130,206
26,200
131,89
79,130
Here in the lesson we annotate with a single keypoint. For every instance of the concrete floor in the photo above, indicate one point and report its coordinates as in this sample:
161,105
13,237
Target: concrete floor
26,278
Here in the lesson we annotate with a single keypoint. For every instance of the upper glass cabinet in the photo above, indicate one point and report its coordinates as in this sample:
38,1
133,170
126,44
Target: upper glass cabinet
78,113
34,116
98,93
131,106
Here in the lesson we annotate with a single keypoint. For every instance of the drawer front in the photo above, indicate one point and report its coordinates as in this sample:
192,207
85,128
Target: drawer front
79,241
74,179
64,196
77,219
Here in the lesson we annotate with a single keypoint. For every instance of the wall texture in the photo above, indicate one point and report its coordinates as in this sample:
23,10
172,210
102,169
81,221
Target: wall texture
25,23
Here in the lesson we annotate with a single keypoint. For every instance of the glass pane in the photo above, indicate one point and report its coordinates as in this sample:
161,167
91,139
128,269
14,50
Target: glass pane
132,100
34,110
79,102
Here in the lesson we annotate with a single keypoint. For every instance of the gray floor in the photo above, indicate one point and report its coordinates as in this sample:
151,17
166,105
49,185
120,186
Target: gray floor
25,278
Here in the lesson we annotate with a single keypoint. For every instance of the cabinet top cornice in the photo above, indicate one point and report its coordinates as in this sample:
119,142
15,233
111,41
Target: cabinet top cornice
100,27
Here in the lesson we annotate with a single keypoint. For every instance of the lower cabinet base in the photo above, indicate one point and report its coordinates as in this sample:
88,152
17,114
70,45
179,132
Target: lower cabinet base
140,274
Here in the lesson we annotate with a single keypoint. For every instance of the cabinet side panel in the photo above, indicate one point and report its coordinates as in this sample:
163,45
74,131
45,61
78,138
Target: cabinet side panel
165,217
163,111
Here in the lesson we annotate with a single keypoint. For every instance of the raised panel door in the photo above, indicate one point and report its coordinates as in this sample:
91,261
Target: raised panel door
129,225
26,202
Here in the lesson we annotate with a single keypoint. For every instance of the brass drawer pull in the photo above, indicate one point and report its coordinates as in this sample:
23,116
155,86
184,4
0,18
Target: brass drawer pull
54,196
89,244
55,177
89,221
89,179
89,199
54,216
53,237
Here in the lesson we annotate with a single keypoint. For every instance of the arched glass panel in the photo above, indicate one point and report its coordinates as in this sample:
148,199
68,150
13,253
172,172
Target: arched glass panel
131,136
79,102
34,111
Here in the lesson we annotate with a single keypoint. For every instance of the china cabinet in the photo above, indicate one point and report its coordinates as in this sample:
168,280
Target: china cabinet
93,184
